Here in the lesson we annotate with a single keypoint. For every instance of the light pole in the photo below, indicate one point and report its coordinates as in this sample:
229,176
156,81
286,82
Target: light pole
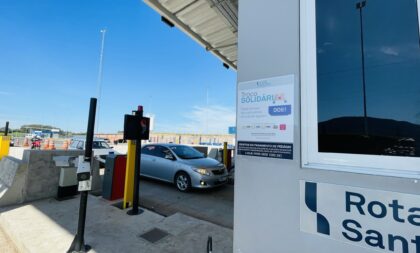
99,81
360,5
207,110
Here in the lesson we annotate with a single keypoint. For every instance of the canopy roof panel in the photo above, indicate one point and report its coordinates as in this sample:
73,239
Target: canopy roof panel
212,23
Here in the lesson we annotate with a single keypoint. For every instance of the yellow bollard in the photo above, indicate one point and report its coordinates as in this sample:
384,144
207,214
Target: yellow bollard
4,146
225,154
129,174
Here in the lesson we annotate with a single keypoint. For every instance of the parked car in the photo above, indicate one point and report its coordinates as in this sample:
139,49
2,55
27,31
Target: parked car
182,165
100,147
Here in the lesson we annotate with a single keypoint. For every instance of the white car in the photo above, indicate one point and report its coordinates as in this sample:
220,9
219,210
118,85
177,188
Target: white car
100,148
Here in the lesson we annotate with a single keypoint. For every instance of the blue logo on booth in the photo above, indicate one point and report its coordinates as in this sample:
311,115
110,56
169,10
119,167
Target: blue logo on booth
311,192
280,110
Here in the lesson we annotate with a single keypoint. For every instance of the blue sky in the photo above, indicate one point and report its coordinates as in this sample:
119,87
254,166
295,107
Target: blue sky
49,66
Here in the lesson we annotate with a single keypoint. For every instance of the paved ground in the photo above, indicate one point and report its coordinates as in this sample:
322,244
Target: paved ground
215,205
49,226
6,245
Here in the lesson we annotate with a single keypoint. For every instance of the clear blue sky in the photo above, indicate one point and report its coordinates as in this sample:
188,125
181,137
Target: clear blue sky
49,66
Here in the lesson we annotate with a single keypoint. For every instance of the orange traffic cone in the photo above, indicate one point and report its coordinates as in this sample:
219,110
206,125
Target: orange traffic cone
46,144
65,145
51,145
26,142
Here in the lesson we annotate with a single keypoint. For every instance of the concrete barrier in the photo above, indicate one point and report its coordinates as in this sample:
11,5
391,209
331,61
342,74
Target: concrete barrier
37,175
43,172
12,181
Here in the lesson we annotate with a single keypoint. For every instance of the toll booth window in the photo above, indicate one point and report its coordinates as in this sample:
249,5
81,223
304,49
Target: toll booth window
363,82
368,59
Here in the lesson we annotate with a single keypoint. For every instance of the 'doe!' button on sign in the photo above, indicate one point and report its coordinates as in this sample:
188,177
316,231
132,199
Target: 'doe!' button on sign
280,110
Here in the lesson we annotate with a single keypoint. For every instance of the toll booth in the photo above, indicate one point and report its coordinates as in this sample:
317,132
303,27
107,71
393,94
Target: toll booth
328,144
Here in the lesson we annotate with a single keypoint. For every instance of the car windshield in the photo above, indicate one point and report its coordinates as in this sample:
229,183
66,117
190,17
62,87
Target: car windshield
100,144
185,152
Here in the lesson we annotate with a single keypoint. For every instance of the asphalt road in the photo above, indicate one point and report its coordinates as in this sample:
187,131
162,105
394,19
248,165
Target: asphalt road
213,205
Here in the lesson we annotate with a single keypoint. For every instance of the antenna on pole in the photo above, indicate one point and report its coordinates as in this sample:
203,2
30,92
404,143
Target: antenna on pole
99,80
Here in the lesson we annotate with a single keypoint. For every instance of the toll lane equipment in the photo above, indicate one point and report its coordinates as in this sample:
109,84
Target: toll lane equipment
114,177
67,185
84,178
129,174
4,146
5,142
136,128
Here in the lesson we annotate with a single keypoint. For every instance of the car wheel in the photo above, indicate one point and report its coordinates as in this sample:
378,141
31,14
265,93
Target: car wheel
182,182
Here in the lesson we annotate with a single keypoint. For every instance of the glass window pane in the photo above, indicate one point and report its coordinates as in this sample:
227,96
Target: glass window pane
368,76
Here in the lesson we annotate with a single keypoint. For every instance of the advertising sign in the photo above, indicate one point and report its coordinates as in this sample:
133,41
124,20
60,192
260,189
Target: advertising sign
266,117
372,219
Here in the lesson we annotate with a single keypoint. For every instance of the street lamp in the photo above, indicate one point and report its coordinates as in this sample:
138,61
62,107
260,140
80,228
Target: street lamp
99,81
418,16
360,5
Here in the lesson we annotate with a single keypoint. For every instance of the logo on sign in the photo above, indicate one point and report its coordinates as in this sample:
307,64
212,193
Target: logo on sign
280,110
322,224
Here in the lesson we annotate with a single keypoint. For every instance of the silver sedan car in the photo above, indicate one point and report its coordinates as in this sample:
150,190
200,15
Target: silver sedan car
182,165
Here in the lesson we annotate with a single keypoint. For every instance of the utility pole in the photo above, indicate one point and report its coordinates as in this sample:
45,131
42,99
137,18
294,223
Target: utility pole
360,5
99,80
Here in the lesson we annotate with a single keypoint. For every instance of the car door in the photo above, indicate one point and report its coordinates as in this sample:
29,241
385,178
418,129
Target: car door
154,163
165,164
148,160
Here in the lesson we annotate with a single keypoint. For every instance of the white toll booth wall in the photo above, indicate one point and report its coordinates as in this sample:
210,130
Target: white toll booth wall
268,204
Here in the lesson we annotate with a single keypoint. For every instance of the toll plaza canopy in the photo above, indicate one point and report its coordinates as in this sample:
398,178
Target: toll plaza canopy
212,23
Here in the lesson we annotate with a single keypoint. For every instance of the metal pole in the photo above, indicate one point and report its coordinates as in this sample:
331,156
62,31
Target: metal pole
209,244
135,210
6,129
360,6
78,244
225,154
207,110
100,74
